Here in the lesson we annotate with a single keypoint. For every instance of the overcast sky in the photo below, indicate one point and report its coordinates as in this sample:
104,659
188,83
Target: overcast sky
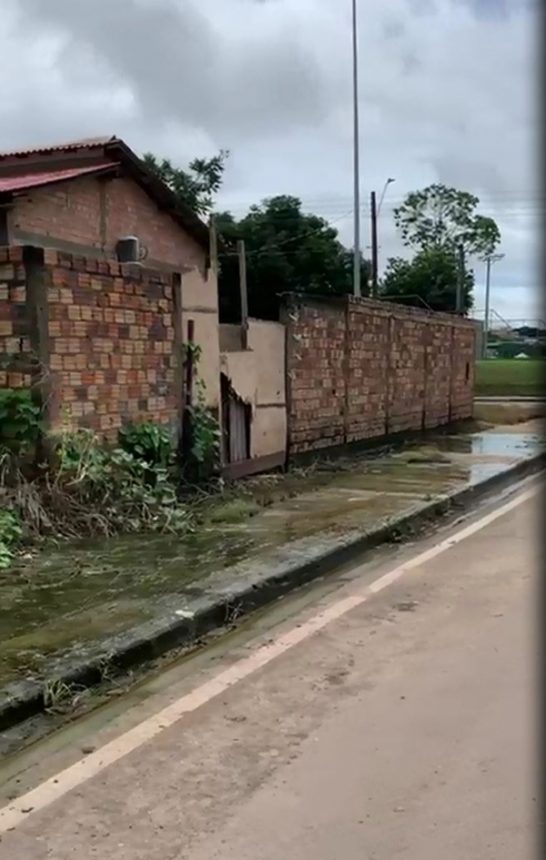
448,94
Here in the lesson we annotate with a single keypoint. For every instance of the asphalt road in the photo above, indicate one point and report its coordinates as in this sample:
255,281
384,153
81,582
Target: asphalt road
358,726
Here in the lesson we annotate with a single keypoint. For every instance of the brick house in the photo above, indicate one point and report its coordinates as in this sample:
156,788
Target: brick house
75,202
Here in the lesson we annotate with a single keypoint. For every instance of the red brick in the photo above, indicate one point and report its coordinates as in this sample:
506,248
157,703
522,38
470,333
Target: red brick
378,368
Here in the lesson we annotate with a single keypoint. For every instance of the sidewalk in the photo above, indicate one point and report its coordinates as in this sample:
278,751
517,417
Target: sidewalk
119,601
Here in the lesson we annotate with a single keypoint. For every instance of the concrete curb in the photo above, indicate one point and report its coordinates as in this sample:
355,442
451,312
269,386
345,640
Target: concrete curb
214,608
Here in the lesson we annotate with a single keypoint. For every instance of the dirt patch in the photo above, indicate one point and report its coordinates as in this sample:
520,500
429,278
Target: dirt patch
507,414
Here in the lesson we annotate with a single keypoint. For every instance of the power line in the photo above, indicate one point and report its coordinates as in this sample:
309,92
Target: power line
329,197
520,208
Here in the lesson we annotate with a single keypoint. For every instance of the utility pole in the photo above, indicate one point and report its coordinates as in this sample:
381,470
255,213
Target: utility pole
459,304
489,260
241,253
373,209
213,245
356,144
487,291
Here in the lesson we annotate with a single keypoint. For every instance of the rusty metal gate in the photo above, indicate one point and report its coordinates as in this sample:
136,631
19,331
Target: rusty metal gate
236,420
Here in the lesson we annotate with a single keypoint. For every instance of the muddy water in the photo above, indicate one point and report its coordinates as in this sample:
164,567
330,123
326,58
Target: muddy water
82,592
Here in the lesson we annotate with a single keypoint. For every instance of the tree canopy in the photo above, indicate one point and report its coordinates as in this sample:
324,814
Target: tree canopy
438,216
428,280
287,250
195,186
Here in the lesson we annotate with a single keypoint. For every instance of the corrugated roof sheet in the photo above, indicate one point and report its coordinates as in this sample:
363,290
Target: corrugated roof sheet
21,182
84,143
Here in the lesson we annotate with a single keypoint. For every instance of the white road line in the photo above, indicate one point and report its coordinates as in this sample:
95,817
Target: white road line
19,810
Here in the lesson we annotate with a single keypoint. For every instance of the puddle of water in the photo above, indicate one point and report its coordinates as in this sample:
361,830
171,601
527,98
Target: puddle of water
491,443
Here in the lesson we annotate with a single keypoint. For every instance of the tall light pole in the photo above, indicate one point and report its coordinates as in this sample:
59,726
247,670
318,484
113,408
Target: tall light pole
356,144
489,260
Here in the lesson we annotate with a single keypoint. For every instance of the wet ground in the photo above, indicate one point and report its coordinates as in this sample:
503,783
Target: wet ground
79,593
509,411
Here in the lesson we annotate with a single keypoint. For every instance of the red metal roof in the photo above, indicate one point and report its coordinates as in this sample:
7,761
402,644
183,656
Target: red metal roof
20,182
84,143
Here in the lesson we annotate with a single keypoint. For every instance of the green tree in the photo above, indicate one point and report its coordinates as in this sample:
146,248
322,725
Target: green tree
438,216
196,186
287,250
428,280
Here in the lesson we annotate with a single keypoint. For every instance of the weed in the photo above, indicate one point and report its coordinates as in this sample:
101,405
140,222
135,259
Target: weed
233,612
106,667
20,423
89,489
233,511
204,451
58,696
149,443
10,533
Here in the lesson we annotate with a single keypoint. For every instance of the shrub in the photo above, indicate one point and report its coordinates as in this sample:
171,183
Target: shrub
10,533
127,493
205,435
20,423
150,443
90,489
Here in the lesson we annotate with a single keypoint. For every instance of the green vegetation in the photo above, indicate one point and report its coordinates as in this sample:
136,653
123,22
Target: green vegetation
19,421
88,488
203,452
194,187
71,484
511,348
10,533
291,250
438,222
441,217
233,511
287,250
428,280
506,377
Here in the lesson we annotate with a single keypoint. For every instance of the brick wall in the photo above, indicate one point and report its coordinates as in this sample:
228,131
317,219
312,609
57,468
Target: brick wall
104,335
15,350
359,369
94,213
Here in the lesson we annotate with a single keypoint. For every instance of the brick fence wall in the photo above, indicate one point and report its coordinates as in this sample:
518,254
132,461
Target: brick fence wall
101,340
358,369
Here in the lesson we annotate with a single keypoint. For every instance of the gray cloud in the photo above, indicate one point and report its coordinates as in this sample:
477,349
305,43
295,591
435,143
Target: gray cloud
179,66
393,28
487,8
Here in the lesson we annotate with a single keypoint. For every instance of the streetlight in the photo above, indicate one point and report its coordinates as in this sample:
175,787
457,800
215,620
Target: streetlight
356,252
386,185
489,260
375,210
